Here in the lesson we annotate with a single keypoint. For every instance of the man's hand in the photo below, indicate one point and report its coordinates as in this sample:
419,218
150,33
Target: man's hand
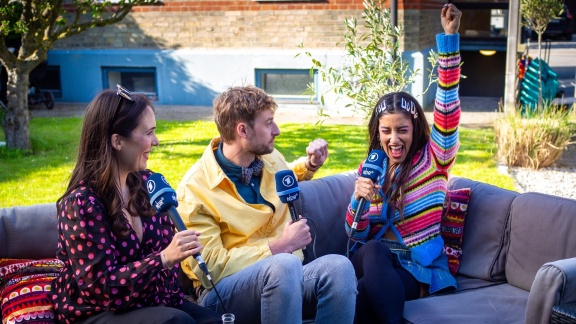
450,18
295,236
317,151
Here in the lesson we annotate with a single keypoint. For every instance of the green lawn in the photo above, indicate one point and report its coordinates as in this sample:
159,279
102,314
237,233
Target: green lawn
41,177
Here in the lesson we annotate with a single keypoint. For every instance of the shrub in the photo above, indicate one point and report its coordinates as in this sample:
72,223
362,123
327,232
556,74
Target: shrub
372,64
534,142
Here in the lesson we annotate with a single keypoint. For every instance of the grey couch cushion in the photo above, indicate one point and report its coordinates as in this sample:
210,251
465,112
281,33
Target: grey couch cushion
501,303
28,232
485,229
334,193
542,230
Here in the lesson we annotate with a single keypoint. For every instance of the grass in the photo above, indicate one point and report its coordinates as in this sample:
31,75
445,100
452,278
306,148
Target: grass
41,177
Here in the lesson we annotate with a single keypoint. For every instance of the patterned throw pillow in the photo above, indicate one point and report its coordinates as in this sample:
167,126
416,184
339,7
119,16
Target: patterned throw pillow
452,225
25,290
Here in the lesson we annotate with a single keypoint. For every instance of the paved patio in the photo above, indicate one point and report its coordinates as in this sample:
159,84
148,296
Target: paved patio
476,112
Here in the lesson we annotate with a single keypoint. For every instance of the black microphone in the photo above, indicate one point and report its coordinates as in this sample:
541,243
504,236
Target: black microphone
163,198
288,190
371,169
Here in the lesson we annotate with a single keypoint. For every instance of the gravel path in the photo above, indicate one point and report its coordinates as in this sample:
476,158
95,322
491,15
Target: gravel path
554,180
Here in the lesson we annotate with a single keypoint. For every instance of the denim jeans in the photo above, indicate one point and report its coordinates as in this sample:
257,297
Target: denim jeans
276,289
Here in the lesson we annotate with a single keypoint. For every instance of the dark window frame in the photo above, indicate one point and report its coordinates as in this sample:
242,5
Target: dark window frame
303,98
130,69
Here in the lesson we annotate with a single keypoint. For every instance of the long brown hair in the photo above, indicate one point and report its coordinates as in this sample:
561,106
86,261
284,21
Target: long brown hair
395,186
107,114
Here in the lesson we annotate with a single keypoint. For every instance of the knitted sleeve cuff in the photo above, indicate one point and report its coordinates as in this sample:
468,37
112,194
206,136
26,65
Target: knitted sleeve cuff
448,43
354,205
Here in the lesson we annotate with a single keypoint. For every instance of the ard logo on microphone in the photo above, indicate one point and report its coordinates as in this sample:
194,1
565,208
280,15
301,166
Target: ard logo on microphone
288,181
151,186
373,157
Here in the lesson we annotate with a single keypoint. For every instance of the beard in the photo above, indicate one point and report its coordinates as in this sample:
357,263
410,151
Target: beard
258,148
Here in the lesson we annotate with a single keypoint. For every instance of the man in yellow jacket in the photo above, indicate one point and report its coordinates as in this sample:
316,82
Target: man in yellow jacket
252,248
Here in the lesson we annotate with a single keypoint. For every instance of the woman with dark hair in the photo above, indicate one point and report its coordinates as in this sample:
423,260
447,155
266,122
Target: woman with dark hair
398,250
121,257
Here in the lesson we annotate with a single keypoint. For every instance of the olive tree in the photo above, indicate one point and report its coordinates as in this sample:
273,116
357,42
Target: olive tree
35,26
372,64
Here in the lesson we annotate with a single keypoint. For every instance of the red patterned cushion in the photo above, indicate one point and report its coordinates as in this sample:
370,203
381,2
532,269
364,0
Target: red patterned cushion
452,225
25,290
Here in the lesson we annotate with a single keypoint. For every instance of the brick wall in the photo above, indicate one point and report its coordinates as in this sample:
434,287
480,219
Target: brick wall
218,29
420,28
250,24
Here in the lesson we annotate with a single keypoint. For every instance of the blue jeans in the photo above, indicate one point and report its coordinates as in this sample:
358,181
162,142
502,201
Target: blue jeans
278,288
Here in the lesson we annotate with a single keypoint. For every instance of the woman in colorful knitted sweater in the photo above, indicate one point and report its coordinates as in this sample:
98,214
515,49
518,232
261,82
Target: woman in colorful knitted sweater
397,253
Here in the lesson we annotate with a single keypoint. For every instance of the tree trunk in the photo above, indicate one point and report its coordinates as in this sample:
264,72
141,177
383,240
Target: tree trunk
16,122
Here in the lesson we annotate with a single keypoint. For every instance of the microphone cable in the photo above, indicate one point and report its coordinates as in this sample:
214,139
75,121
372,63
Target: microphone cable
163,199
216,291
348,247
352,232
313,239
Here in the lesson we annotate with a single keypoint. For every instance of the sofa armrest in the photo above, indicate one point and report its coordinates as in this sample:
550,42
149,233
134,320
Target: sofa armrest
554,284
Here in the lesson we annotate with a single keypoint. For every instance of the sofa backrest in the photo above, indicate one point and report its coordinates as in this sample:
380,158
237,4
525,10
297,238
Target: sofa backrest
542,229
485,229
28,232
324,201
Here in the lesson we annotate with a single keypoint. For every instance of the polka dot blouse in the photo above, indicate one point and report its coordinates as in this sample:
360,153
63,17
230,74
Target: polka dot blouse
105,272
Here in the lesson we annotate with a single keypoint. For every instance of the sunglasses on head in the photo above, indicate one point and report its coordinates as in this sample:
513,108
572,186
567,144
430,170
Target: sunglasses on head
122,93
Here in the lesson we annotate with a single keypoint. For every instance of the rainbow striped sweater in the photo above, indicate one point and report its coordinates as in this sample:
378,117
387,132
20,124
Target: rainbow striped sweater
426,189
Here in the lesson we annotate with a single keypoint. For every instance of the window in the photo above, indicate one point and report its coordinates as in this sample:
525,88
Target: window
139,80
49,80
287,85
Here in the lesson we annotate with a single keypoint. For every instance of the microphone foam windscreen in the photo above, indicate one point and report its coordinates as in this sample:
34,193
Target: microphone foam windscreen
162,196
372,167
287,186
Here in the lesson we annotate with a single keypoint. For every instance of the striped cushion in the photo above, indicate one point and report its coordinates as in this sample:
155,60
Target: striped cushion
25,290
452,225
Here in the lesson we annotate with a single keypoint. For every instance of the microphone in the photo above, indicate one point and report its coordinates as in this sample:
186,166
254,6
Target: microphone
371,169
288,190
163,198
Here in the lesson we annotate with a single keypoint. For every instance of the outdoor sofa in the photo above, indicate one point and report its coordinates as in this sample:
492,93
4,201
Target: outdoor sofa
518,250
